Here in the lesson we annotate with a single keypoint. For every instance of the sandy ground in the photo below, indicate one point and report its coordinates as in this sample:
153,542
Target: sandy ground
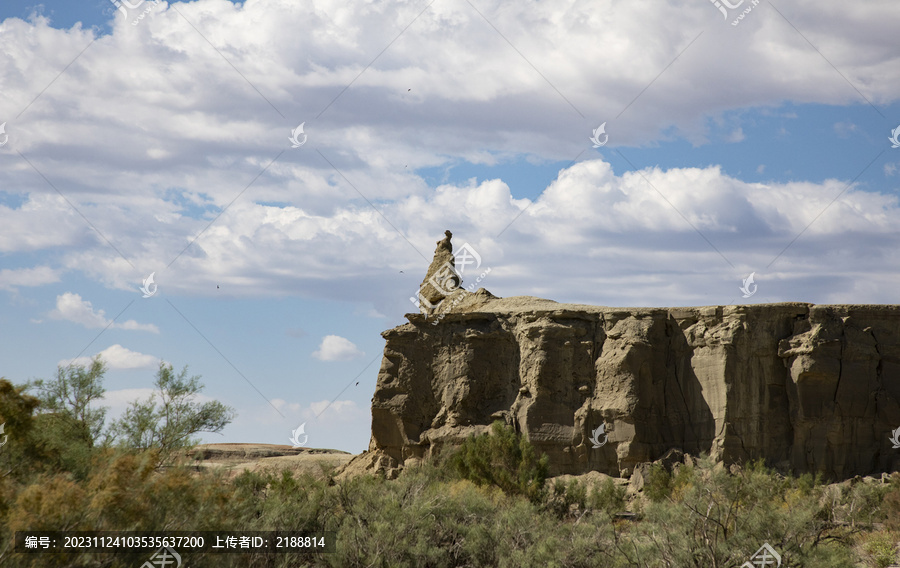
236,458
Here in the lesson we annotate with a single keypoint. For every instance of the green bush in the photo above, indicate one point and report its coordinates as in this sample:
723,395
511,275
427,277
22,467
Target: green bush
21,454
881,549
69,424
891,509
806,483
72,395
609,498
864,503
503,459
658,485
715,518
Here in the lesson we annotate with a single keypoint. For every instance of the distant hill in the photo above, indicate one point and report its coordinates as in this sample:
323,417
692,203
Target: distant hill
237,458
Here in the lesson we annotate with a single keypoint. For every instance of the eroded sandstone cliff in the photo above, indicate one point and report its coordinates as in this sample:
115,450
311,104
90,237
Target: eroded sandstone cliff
808,388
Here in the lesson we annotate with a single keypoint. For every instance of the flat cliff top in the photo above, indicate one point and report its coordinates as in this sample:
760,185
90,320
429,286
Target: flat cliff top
534,304
484,302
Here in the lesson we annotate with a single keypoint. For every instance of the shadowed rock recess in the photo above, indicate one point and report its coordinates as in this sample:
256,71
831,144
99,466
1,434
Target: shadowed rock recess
808,388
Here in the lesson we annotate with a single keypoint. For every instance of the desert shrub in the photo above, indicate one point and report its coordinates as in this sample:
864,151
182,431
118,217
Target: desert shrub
608,498
416,522
879,549
503,459
464,529
282,501
382,523
293,503
807,482
564,497
21,454
865,502
856,503
51,503
123,492
683,478
715,518
66,443
525,538
555,500
576,494
658,485
891,509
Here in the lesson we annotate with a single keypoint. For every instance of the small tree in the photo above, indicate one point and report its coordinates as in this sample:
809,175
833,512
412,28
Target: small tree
69,422
504,459
169,418
70,396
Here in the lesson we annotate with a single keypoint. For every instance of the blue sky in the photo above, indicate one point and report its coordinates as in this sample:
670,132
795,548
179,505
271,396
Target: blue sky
160,145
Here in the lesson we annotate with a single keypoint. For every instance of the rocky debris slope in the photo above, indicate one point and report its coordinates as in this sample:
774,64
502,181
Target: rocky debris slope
808,388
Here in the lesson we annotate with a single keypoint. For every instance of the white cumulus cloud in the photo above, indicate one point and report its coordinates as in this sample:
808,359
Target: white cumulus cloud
70,307
117,357
36,276
174,140
336,348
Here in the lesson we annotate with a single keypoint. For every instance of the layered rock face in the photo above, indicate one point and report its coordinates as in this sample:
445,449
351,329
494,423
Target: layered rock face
808,388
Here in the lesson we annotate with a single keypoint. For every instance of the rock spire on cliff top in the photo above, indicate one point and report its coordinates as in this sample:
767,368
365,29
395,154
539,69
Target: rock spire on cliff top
441,279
